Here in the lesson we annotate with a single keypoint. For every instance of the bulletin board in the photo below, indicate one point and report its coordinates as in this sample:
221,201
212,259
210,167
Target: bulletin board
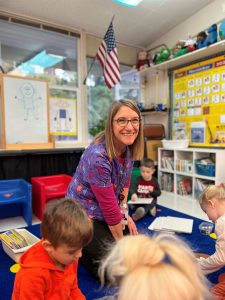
198,101
24,113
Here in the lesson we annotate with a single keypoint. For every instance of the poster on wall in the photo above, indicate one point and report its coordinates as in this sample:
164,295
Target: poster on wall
63,112
198,102
25,115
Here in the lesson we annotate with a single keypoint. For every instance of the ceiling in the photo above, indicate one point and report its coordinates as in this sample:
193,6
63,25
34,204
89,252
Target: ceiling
138,26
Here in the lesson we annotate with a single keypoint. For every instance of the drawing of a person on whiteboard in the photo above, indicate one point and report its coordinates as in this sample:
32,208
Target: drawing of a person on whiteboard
28,100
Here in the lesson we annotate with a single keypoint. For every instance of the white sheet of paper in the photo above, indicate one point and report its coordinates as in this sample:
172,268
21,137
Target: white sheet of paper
141,201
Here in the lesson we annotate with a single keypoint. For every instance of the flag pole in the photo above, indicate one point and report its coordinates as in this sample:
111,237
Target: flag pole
89,70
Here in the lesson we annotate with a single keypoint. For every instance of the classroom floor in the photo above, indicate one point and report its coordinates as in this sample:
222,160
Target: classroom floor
169,200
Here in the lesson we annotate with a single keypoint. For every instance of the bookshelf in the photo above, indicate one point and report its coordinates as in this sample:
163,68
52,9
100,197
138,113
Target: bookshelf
186,172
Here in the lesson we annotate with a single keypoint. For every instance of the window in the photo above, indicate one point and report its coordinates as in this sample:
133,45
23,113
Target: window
100,97
41,53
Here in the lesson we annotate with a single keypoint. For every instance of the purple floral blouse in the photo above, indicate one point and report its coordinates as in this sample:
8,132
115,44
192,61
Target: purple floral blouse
96,169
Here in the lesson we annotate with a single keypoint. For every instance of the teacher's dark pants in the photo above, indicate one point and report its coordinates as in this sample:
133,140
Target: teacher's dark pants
96,250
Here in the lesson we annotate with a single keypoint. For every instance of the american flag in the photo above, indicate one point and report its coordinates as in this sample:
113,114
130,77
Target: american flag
108,57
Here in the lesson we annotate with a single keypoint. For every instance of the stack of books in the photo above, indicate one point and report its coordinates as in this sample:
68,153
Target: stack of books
172,224
14,239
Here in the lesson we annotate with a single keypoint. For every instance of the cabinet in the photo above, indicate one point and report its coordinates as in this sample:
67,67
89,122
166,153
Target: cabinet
186,172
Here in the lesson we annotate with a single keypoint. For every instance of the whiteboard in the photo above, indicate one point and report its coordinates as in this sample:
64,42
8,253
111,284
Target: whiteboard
25,110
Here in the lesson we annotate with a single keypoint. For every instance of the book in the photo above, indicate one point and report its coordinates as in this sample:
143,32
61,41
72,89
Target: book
172,224
141,201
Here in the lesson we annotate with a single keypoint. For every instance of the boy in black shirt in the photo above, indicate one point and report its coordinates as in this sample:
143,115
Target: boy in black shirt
145,186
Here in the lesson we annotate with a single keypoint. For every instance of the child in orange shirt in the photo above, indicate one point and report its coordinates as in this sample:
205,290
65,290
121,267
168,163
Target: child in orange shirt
49,268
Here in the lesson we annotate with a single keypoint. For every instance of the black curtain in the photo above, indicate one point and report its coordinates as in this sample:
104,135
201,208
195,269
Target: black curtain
28,164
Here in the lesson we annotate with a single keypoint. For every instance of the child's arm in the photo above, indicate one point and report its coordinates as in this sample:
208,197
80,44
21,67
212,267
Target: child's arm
31,285
76,293
156,192
217,260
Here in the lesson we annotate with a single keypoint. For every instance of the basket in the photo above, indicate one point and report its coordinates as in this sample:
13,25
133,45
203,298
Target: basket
15,254
204,170
175,144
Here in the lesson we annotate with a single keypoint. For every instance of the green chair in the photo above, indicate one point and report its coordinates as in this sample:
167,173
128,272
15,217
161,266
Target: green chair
135,173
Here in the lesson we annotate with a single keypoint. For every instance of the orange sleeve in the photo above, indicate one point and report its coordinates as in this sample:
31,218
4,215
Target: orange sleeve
30,286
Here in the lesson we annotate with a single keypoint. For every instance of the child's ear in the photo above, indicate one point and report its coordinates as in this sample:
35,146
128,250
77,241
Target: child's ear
47,245
211,202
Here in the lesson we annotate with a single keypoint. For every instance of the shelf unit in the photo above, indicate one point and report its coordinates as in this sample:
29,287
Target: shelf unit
177,172
185,59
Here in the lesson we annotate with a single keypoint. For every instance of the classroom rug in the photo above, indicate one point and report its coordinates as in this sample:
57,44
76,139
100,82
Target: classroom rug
89,286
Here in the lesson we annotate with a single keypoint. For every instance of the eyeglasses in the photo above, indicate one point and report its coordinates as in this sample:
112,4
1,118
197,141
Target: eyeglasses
122,122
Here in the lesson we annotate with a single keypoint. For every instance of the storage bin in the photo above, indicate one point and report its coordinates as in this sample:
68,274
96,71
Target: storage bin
175,144
203,169
16,253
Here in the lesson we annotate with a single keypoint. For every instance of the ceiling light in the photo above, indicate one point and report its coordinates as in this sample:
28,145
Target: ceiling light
130,3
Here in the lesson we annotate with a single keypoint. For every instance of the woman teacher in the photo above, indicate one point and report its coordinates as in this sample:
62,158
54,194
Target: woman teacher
102,179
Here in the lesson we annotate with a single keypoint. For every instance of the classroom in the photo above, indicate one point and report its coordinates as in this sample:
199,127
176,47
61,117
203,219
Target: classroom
110,101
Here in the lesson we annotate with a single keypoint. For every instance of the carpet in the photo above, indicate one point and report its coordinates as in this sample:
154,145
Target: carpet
89,286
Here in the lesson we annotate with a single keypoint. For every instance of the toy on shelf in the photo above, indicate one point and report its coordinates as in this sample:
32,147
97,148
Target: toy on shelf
163,55
201,39
142,61
184,46
222,30
212,35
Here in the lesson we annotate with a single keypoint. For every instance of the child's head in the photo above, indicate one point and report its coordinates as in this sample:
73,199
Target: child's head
212,201
147,168
66,229
160,267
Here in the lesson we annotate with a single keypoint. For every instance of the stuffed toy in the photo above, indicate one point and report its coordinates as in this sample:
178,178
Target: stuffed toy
142,61
222,30
163,55
183,46
201,40
212,35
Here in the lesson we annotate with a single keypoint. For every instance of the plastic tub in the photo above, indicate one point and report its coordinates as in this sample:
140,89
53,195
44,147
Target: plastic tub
175,144
16,253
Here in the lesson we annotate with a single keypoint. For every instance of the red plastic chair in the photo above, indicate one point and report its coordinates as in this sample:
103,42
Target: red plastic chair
46,188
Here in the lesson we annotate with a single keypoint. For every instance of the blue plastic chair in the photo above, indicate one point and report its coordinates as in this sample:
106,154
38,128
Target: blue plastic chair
13,192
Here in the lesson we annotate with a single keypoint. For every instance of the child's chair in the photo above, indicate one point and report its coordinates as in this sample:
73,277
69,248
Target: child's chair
46,188
135,173
16,193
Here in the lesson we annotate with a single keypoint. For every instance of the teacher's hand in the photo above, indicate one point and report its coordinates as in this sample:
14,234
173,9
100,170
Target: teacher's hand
132,227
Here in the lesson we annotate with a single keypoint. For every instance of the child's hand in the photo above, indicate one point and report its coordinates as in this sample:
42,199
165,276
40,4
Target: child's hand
151,188
134,197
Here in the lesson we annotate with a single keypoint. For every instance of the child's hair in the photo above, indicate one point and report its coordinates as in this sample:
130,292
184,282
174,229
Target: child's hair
147,162
66,222
156,268
212,191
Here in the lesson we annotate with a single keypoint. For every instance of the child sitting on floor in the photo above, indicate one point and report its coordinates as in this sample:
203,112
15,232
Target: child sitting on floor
49,268
212,202
156,268
145,186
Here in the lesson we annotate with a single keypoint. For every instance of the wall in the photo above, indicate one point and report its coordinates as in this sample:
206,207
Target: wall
213,13
127,55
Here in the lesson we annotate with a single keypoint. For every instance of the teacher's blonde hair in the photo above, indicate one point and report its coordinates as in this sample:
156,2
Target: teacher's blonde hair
154,268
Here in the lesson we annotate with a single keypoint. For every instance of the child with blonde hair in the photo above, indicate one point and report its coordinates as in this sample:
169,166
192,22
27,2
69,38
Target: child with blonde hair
154,268
49,268
212,202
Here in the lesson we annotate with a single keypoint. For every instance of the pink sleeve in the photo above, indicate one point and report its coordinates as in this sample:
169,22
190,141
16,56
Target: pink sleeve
108,204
